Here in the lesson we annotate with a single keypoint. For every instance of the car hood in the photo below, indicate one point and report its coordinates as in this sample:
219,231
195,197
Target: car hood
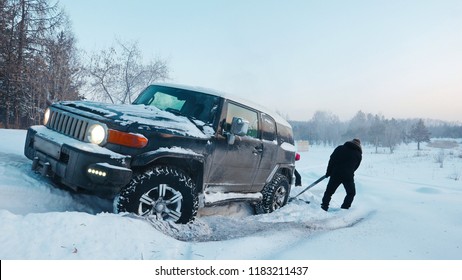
138,118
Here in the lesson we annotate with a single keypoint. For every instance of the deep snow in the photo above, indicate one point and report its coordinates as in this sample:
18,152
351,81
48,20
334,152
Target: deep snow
407,207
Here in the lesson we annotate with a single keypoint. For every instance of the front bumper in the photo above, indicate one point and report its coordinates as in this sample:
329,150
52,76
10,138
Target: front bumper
76,164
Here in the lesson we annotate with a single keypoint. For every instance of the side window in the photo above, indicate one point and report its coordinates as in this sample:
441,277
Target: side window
268,128
244,113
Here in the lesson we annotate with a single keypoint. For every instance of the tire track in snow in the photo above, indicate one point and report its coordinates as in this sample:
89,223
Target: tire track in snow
219,228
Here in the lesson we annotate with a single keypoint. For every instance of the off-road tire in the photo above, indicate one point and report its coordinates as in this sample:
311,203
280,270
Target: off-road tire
164,192
275,195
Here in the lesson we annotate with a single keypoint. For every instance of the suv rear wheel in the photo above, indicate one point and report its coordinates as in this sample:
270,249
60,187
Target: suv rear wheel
275,195
164,192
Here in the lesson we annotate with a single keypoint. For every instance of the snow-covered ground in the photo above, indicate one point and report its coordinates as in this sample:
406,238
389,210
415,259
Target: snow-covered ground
407,207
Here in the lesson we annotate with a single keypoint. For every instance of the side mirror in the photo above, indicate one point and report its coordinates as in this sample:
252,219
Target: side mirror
239,127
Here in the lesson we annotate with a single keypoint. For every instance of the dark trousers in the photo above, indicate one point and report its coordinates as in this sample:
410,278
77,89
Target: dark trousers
332,186
298,178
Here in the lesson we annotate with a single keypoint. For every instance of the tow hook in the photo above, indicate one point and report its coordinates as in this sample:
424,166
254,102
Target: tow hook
45,170
35,163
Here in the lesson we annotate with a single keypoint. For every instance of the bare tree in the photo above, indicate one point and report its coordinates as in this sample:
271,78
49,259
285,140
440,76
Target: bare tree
358,127
392,135
326,126
439,158
102,70
118,73
377,131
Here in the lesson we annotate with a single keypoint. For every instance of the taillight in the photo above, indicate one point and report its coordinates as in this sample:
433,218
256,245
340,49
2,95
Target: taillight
127,139
297,156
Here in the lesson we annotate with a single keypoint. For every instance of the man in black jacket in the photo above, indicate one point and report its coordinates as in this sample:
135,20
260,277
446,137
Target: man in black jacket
341,168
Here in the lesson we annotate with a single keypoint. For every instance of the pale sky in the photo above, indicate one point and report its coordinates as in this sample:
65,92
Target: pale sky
401,59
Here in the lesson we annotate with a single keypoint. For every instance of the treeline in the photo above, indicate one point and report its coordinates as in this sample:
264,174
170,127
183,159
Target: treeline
40,64
38,60
326,128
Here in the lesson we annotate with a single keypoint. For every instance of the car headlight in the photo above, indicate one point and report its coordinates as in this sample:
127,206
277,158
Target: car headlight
96,134
46,116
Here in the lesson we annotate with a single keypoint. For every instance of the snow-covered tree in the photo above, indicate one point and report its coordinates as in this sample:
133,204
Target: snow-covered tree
419,133
36,46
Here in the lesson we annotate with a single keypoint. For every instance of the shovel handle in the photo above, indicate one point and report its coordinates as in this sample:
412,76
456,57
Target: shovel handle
312,185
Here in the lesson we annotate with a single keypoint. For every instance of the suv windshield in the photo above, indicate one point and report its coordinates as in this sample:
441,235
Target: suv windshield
183,102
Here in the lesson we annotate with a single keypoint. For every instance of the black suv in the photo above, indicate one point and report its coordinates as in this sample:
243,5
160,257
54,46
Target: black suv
173,150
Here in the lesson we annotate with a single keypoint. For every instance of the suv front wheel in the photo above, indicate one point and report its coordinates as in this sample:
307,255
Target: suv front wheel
164,192
275,195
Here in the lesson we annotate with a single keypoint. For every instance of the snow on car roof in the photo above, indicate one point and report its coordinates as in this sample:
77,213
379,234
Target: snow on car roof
226,95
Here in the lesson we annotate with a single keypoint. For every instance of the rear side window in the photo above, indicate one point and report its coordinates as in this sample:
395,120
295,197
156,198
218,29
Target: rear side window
285,134
246,114
268,128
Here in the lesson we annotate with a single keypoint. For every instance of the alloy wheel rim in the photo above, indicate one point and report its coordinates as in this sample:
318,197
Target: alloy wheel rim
162,202
279,197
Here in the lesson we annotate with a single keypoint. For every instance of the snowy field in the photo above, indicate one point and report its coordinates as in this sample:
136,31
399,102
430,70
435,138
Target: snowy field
408,207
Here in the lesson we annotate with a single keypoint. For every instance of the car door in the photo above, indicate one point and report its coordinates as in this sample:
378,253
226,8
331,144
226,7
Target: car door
269,151
234,165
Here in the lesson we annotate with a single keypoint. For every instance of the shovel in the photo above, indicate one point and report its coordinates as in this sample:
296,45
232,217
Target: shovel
309,187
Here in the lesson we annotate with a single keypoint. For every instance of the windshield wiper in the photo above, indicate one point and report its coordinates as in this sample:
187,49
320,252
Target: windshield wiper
190,118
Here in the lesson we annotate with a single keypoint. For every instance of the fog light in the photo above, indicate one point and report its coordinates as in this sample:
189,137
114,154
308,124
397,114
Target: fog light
96,172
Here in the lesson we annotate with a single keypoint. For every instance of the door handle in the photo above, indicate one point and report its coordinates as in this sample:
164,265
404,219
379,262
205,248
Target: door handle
258,149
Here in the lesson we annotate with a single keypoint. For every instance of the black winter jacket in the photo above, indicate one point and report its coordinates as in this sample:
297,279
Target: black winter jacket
344,161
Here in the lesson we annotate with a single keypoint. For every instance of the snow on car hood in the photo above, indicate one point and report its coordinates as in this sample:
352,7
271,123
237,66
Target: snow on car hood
142,117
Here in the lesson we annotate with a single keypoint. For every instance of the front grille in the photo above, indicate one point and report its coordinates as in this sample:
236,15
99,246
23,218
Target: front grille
68,124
